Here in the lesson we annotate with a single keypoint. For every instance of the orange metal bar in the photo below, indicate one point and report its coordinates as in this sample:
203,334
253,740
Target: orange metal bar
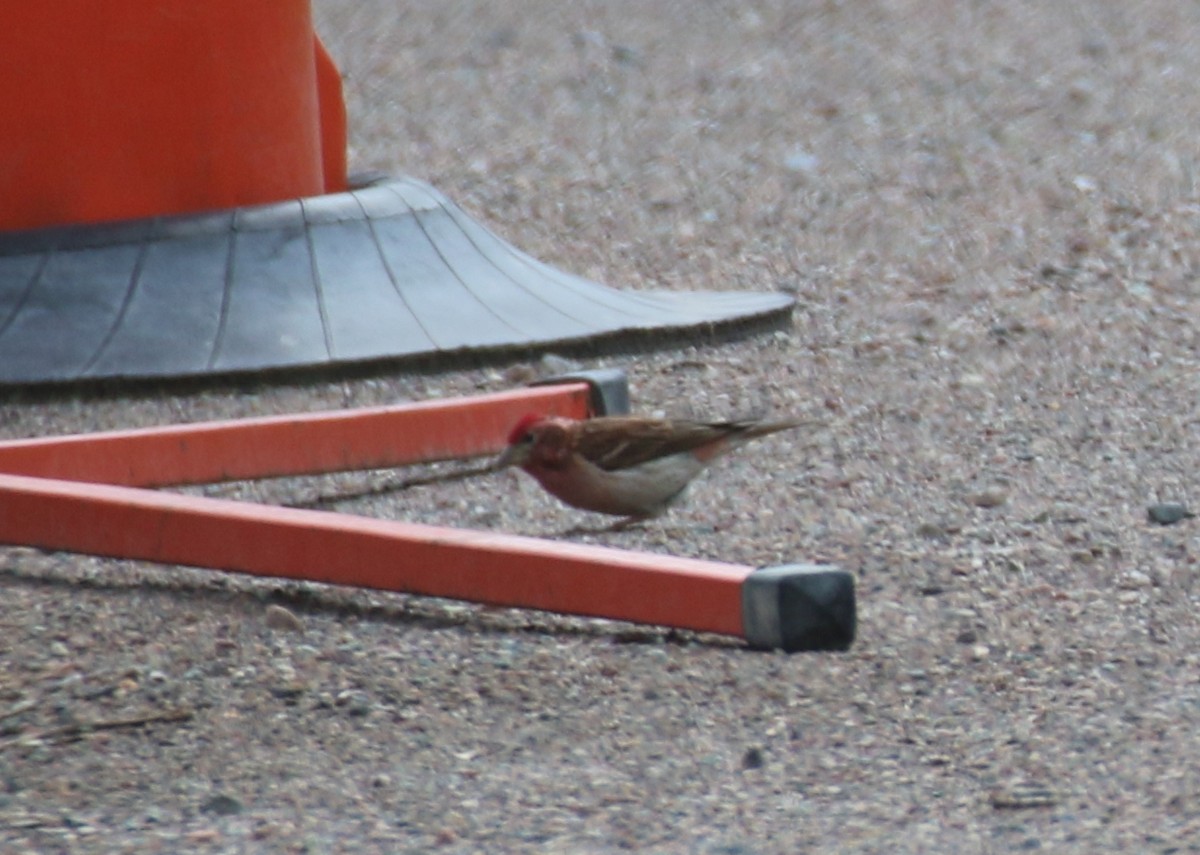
350,550
299,444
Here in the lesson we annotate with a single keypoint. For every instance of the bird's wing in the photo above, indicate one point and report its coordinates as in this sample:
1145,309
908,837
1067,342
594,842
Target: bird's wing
619,442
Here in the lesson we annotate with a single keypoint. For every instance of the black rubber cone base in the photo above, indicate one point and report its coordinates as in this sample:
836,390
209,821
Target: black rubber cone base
388,270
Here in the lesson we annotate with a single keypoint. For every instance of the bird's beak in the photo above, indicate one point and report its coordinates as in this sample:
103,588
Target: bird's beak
514,455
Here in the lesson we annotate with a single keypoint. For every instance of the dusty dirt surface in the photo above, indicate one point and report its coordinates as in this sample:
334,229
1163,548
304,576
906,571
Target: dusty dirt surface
988,215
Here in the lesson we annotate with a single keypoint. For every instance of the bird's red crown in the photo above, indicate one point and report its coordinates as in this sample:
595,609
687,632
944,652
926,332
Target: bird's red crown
522,427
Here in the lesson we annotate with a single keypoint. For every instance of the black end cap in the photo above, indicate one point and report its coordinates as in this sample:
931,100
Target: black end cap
796,607
610,388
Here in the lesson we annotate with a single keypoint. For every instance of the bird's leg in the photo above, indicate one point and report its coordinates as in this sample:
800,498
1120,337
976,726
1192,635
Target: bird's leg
619,525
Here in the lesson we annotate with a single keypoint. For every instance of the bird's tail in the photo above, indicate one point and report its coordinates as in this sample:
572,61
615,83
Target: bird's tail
751,428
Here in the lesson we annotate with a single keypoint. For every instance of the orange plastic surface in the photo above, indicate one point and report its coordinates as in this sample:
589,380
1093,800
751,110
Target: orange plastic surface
332,107
300,444
134,108
349,550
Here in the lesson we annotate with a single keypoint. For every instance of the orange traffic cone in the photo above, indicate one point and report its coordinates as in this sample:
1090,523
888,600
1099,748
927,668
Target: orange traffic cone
136,108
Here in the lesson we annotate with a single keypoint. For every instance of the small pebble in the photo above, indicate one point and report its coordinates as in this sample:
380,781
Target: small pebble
1168,513
625,55
289,690
222,805
1134,580
1021,796
931,531
552,364
990,498
753,759
354,702
801,161
283,619
521,374
203,835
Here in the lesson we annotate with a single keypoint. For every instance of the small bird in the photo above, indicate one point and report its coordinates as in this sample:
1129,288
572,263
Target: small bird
627,466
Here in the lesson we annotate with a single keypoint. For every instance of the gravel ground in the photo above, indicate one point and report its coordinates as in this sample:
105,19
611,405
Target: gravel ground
987,214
